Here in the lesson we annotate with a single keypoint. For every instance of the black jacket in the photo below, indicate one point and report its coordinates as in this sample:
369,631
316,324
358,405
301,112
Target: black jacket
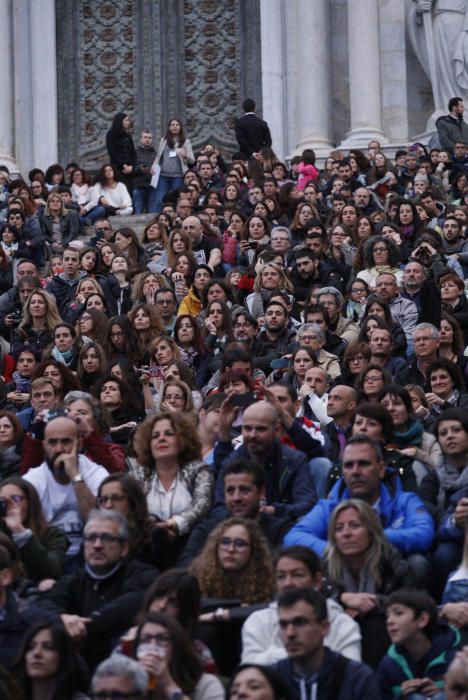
111,603
121,149
145,156
451,130
252,133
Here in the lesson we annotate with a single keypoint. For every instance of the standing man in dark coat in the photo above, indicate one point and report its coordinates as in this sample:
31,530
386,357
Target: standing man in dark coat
251,132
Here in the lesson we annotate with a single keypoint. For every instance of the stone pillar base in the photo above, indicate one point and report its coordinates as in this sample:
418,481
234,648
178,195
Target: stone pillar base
357,138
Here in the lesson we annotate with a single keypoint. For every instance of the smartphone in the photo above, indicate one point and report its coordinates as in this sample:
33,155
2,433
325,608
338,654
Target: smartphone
99,234
253,245
243,400
280,363
156,372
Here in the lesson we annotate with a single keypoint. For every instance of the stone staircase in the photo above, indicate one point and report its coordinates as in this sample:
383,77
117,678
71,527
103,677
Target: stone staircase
137,222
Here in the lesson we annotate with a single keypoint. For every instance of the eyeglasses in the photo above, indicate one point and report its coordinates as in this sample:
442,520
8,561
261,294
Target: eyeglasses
103,536
358,290
358,358
16,498
163,639
308,337
112,498
238,544
373,379
380,250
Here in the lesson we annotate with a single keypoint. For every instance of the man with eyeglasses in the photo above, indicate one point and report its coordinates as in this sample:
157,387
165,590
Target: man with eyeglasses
404,311
119,678
67,482
103,233
166,302
281,242
97,601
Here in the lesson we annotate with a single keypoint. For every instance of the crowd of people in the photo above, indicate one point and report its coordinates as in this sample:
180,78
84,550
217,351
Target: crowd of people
234,450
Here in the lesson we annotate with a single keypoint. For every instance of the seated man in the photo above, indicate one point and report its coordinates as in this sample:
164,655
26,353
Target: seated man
98,602
43,398
120,677
296,567
406,522
67,482
310,669
421,651
289,489
244,491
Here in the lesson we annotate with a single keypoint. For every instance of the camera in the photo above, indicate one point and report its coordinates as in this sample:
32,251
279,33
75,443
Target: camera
16,316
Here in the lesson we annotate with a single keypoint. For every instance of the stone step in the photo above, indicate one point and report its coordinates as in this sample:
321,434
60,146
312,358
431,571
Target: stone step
137,222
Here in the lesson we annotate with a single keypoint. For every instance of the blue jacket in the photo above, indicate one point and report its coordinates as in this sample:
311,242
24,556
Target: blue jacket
288,484
397,667
406,522
359,681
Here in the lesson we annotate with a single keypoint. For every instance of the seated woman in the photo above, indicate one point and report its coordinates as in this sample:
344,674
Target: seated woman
6,258
177,484
93,326
256,233
123,408
454,301
62,378
92,365
269,279
380,255
235,564
65,347
371,381
313,336
123,493
85,288
128,245
40,317
447,387
18,389
109,196
177,397
59,225
355,359
145,285
451,343
41,547
166,652
121,341
301,360
254,676
409,437
155,241
49,666
11,444
378,307
218,326
191,304
118,287
188,336
361,565
146,326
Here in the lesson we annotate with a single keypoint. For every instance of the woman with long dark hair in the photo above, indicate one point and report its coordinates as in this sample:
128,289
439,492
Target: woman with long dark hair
110,196
49,665
121,148
188,336
172,160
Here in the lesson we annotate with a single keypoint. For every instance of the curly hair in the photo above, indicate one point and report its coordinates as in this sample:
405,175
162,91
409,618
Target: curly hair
139,282
392,248
185,430
256,583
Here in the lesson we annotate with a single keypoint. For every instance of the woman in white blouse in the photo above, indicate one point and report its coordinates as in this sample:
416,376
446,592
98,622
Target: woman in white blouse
108,196
178,485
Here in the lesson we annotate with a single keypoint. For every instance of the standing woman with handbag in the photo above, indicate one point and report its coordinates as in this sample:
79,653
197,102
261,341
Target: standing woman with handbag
172,161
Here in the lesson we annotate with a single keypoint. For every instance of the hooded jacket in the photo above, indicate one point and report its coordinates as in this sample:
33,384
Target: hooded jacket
397,667
359,682
405,519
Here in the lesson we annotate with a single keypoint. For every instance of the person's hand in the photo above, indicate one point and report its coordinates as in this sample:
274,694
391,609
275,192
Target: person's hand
130,424
231,233
362,602
455,613
80,298
210,326
76,626
165,406
46,584
84,427
461,512
269,510
181,152
428,687
244,246
285,418
421,412
434,400
305,390
170,527
424,6
227,415
411,686
408,451
18,397
83,212
127,169
104,202
13,520
10,320
69,461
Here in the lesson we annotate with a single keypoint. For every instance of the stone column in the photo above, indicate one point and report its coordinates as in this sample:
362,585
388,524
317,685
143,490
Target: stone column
308,36
364,74
273,71
7,122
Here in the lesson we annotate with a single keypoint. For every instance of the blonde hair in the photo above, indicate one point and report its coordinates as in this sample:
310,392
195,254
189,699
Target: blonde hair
377,547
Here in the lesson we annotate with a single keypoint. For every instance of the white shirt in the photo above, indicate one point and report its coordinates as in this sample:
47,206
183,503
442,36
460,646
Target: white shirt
59,501
164,504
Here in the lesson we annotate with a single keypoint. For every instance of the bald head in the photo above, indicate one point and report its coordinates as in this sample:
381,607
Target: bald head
342,403
260,429
60,439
